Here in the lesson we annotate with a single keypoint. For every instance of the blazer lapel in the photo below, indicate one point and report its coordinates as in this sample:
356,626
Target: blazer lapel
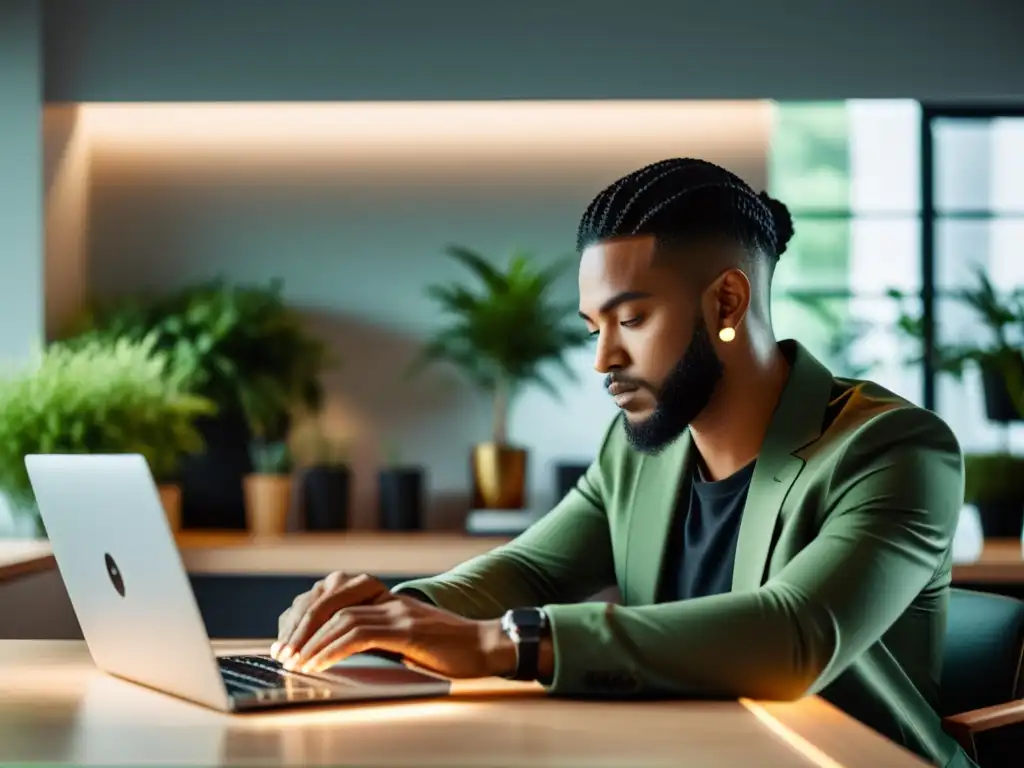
652,509
797,421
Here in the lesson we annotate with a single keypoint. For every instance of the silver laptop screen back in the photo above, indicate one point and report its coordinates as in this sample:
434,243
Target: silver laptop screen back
123,572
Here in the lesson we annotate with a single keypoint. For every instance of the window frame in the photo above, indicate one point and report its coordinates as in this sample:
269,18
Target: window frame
930,112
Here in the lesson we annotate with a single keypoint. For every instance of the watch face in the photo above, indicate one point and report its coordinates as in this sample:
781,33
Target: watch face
527,618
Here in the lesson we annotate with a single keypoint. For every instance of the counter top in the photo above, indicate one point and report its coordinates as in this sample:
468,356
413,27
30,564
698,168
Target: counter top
395,555
57,708
315,554
21,557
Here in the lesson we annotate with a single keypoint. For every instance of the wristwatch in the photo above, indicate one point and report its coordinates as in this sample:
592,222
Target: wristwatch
526,627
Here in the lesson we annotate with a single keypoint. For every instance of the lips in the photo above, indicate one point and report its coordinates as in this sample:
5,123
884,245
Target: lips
616,389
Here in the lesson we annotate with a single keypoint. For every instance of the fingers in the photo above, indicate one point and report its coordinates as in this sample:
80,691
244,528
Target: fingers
286,621
337,626
362,637
353,591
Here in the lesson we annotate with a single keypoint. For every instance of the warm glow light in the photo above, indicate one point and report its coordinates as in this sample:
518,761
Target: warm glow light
791,737
365,714
421,141
461,125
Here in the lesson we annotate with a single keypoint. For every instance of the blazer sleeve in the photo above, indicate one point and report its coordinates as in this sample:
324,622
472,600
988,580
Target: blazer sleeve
565,556
891,513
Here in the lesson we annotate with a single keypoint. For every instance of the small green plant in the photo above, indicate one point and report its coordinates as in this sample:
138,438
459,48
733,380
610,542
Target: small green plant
271,457
501,338
1000,355
98,397
249,352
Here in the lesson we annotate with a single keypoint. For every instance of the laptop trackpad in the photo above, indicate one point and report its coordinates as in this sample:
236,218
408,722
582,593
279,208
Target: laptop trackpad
373,659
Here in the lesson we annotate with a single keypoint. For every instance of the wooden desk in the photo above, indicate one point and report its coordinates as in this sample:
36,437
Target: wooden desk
57,708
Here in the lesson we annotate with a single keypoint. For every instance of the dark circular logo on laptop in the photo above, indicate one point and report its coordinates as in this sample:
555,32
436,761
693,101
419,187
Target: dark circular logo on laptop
115,575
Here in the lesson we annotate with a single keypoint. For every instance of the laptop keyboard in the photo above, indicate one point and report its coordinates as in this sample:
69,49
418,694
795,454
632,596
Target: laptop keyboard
264,677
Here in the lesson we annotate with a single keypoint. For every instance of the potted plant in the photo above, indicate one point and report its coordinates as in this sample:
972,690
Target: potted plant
250,355
326,486
119,396
992,480
995,486
502,338
399,493
268,488
998,359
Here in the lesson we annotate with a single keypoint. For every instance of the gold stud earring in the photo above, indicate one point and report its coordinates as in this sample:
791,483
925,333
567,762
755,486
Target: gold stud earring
727,334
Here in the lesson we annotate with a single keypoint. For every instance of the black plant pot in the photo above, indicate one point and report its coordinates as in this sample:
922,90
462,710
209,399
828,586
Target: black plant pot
566,477
1001,519
325,498
999,406
401,499
211,482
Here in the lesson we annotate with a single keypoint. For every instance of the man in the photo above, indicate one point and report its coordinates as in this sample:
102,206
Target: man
774,531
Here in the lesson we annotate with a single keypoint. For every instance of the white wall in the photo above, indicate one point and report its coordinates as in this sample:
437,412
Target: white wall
352,205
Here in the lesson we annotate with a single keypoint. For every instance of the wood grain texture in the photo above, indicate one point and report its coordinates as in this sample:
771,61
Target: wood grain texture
58,708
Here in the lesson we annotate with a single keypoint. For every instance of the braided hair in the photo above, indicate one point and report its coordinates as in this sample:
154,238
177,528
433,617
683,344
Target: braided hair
683,199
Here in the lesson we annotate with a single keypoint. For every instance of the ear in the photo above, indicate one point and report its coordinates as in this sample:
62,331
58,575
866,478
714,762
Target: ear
727,300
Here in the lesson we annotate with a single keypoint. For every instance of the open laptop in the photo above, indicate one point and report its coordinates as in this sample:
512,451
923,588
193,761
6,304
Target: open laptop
133,599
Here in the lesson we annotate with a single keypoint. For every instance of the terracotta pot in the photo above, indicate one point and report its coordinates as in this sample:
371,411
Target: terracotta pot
170,497
499,476
268,499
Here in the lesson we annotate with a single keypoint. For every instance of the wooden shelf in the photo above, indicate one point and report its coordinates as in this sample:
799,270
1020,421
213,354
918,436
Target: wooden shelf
396,554
315,554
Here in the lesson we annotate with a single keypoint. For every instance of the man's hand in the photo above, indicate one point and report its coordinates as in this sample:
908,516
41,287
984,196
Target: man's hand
342,615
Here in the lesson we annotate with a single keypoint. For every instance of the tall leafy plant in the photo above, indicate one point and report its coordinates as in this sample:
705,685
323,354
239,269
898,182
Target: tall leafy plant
248,350
98,397
503,335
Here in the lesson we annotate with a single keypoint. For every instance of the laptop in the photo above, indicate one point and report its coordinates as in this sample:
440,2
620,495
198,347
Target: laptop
129,589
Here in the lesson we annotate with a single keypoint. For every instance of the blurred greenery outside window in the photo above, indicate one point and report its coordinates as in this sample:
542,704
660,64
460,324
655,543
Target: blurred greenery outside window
843,170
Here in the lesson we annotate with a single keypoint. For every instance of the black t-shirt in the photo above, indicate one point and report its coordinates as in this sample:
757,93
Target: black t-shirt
702,551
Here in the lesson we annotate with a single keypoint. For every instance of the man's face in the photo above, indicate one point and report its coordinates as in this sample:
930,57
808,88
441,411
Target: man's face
653,344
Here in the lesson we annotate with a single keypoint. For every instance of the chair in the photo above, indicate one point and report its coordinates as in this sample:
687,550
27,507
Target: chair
982,687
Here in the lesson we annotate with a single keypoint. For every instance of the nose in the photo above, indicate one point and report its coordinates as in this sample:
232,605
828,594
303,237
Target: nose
609,355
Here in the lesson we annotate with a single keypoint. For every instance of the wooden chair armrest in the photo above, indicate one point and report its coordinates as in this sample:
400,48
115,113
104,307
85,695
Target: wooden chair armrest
967,725
987,718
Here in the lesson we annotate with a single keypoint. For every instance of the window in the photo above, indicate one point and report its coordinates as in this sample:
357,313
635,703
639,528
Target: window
850,173
874,209
977,162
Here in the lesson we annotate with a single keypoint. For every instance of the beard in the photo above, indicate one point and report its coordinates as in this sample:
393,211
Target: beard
686,392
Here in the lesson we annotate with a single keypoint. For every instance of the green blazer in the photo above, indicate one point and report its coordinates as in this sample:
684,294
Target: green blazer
841,581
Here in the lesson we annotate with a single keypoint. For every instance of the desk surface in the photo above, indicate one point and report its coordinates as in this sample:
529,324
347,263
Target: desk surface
396,555
57,707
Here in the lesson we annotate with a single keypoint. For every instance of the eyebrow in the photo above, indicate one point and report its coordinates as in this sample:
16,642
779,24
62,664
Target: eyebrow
617,299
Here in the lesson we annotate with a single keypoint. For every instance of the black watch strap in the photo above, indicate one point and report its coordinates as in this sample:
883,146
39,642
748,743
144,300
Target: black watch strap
526,627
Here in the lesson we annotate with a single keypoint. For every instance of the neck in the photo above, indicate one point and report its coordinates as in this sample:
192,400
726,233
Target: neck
728,434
